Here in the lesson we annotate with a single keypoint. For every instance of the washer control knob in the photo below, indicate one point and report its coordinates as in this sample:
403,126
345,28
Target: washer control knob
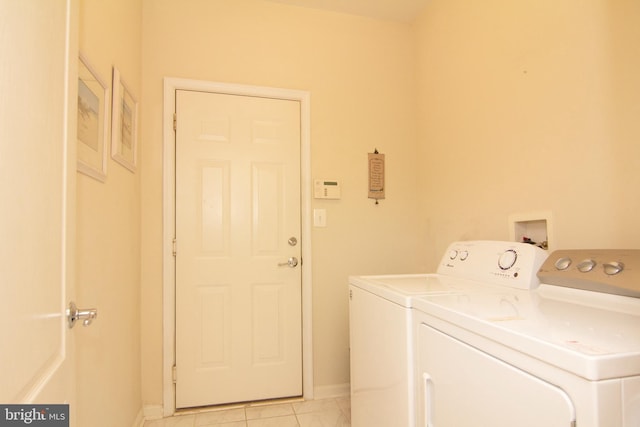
563,263
507,259
453,254
464,255
613,267
586,265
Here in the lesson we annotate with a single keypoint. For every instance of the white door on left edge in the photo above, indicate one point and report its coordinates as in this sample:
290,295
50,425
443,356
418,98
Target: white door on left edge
238,266
36,83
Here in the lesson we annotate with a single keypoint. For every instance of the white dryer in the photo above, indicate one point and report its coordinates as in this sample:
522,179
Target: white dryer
564,354
381,331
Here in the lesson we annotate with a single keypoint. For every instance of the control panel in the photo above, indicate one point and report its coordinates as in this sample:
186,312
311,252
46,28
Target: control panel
326,189
494,262
614,271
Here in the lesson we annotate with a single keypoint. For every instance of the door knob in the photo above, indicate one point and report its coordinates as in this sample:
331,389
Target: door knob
291,262
74,314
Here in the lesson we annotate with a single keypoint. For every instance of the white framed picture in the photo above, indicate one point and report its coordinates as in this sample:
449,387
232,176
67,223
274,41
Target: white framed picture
93,103
124,124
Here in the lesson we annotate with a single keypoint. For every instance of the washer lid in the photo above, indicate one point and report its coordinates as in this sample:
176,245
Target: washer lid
592,335
401,288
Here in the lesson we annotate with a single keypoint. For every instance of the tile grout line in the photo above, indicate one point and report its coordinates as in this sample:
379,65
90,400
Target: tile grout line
303,409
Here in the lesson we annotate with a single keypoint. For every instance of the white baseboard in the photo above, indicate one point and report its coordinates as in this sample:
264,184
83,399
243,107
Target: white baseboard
330,391
153,412
139,422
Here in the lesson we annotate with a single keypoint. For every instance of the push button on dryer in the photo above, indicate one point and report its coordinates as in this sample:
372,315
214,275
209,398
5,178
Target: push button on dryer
613,267
563,263
586,265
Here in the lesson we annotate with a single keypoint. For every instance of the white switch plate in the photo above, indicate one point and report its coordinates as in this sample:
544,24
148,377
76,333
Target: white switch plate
319,217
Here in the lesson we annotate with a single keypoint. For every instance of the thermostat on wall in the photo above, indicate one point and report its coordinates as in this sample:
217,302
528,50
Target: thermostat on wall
326,189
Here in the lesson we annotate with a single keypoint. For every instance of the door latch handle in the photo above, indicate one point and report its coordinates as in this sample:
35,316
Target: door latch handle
74,314
291,262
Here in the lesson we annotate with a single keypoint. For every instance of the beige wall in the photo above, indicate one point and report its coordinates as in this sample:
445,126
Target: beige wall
483,109
361,77
525,107
108,238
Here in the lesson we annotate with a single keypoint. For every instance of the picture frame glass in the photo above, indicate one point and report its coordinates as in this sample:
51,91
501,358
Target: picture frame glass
124,125
91,122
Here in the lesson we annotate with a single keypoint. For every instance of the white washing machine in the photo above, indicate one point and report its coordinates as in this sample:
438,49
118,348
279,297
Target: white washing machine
381,331
564,354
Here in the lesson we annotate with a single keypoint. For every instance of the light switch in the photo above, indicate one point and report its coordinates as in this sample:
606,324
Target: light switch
319,217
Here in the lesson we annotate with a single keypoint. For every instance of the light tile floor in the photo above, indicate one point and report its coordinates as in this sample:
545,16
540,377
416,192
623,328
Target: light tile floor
311,413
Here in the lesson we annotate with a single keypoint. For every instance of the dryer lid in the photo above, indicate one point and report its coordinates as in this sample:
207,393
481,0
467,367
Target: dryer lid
595,336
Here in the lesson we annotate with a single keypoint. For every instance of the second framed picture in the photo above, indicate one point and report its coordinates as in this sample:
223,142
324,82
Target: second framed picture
124,124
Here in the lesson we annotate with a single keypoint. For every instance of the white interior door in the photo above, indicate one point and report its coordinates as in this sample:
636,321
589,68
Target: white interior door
36,166
238,266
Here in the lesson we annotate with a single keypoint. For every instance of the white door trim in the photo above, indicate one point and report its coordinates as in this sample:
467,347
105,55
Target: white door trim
168,233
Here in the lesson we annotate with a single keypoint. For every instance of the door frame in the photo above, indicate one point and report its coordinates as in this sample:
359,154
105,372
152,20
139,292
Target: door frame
168,233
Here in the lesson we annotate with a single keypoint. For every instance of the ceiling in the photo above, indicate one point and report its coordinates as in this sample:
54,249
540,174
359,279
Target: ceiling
394,10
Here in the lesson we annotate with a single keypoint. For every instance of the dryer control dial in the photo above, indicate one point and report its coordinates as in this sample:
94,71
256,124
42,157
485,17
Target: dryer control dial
586,265
613,267
563,263
507,259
